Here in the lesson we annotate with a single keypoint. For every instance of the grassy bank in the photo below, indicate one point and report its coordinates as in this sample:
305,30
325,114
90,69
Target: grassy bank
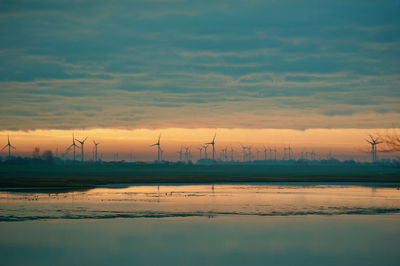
14,176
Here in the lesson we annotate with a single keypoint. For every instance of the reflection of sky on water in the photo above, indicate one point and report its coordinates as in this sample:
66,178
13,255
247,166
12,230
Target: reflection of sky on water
223,240
200,200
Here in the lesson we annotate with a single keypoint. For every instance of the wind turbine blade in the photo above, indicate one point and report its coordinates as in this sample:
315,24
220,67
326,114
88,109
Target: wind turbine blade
67,149
12,147
369,141
84,140
4,147
214,137
372,138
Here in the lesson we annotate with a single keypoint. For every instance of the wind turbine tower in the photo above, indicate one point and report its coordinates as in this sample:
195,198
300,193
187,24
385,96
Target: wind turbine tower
213,143
161,153
9,147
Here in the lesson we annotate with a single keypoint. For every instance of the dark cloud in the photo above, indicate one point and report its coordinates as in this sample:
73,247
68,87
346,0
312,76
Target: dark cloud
175,60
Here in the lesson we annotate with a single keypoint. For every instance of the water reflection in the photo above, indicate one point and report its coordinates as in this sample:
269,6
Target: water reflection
199,200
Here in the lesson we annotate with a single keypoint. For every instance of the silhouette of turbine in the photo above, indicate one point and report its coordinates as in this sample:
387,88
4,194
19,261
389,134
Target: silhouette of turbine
82,142
158,147
244,152
374,142
180,152
72,145
95,146
265,153
201,151
205,151
187,154
213,143
9,147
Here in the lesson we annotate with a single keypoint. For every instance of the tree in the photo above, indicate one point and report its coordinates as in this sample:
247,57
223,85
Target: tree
391,138
48,156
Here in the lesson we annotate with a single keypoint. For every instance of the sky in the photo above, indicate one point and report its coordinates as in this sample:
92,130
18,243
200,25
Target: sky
191,65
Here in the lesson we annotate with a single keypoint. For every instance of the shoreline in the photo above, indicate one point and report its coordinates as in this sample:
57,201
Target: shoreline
61,189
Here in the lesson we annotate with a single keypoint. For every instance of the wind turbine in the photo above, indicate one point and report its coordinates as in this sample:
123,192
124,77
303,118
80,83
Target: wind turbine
257,154
82,142
9,147
187,154
180,154
244,152
265,153
225,153
158,148
201,150
213,143
284,153
95,146
249,153
232,157
205,151
373,143
72,145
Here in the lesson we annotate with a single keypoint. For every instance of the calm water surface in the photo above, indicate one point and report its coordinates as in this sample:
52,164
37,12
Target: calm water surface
203,224
200,200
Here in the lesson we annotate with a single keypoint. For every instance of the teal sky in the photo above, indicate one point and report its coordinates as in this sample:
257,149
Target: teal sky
155,64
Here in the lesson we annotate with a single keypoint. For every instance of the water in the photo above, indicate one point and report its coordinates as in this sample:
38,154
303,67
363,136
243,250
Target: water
199,200
203,224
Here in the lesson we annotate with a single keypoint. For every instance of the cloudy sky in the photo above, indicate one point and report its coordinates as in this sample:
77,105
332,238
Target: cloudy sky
189,64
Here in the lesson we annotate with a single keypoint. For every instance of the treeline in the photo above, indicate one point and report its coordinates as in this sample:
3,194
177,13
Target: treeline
45,157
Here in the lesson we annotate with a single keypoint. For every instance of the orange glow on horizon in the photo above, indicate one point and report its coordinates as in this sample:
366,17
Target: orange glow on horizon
138,141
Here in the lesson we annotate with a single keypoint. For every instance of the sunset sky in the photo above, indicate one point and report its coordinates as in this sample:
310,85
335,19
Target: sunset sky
313,74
